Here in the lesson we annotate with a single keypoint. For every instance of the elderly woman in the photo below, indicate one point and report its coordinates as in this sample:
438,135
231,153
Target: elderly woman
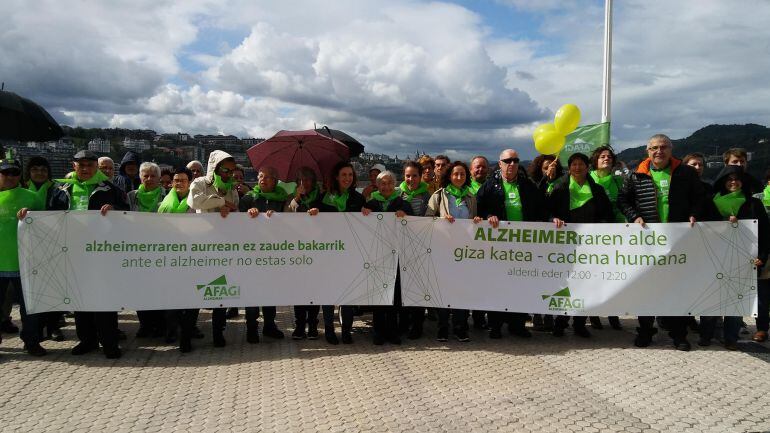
147,198
577,198
387,199
266,197
454,201
176,202
732,201
341,197
307,196
196,168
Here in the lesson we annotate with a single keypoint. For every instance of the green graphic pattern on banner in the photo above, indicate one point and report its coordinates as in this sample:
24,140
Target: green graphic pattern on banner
585,139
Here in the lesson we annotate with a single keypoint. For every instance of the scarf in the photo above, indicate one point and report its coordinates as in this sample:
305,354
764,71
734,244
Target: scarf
81,191
421,189
147,200
41,192
310,197
729,204
578,195
172,204
338,201
608,183
222,185
278,194
766,196
386,201
475,186
458,193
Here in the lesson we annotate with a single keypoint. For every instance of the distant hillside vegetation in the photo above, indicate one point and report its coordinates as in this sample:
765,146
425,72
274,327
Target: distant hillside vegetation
714,140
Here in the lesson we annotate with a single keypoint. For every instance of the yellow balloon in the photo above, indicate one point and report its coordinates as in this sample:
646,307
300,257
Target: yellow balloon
543,128
550,142
567,118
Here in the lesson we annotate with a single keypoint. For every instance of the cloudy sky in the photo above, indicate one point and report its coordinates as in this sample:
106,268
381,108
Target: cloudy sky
457,77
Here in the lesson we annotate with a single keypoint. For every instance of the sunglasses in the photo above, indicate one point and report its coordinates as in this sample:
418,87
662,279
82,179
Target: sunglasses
225,170
510,160
11,173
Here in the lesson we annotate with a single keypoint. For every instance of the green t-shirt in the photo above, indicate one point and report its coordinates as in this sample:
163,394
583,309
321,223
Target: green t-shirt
662,180
513,210
11,201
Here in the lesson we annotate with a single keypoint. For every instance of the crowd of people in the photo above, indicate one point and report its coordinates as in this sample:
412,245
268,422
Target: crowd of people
592,189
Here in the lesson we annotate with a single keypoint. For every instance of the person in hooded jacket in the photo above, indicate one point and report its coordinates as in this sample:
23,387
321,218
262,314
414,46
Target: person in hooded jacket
341,197
577,198
214,192
128,178
387,199
732,201
266,197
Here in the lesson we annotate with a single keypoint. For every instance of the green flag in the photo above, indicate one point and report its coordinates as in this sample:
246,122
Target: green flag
585,139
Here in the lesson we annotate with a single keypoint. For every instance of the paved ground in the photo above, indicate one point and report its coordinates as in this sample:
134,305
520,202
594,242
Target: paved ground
541,385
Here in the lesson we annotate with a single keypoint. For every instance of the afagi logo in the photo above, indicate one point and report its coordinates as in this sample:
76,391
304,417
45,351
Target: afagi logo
563,301
219,289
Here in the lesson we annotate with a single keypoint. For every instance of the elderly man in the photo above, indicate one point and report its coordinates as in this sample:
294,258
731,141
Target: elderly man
215,192
266,197
196,168
662,190
107,166
510,196
479,172
89,189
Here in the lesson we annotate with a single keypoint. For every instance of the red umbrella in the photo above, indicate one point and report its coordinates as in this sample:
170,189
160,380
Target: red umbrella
287,151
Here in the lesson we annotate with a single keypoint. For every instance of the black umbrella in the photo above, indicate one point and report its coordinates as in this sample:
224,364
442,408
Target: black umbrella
354,146
24,120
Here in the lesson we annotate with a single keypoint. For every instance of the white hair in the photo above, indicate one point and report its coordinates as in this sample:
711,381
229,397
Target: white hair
149,166
384,174
105,159
194,163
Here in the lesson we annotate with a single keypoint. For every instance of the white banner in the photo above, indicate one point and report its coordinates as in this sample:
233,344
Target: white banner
82,261
581,269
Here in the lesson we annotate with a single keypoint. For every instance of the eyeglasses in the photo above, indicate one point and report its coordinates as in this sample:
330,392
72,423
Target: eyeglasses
657,148
510,160
225,170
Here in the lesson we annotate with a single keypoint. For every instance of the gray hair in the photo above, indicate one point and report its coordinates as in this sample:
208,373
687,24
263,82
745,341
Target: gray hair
193,163
384,174
480,157
661,137
149,166
105,159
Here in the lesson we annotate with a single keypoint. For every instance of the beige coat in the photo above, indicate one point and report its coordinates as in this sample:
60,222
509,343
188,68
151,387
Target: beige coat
438,204
203,196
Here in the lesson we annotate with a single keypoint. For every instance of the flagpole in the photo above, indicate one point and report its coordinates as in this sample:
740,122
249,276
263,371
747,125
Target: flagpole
607,85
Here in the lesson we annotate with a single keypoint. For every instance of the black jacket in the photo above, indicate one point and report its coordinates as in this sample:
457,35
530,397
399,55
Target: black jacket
122,180
248,201
355,202
104,193
396,205
558,202
490,199
638,197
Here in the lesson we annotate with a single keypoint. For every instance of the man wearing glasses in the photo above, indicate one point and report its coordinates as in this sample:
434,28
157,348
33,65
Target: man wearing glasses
509,196
662,190
215,192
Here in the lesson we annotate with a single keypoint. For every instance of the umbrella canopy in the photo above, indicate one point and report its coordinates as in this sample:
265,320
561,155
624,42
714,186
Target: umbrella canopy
287,151
355,147
24,120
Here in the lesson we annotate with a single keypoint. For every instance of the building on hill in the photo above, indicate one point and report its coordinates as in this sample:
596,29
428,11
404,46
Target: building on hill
99,145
